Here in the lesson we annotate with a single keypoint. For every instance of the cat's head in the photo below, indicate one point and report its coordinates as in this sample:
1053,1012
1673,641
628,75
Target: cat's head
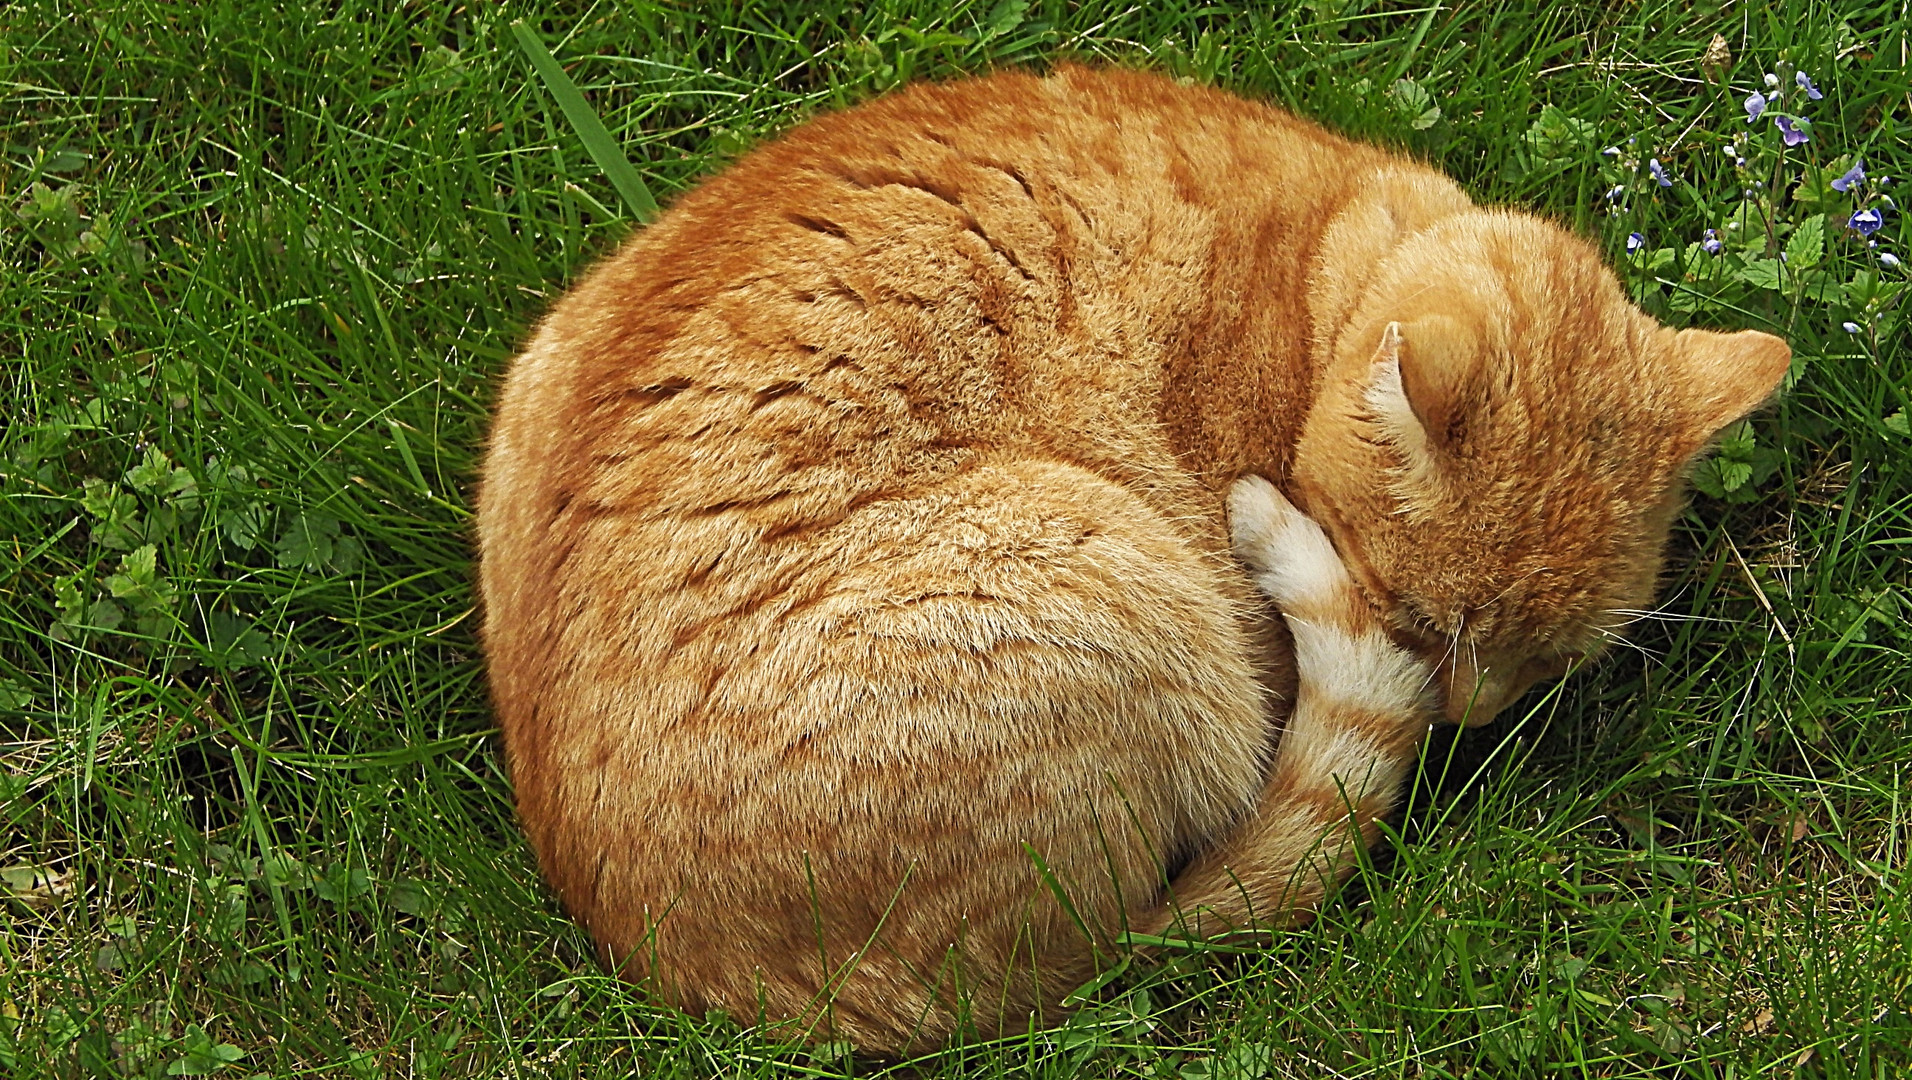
1500,444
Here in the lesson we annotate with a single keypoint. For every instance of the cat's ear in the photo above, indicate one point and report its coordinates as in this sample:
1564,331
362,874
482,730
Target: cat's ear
1421,382
1727,375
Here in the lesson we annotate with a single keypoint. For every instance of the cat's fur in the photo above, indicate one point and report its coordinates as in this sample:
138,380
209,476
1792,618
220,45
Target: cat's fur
854,547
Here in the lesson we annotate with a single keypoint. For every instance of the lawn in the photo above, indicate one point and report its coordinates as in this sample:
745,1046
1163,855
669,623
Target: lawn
259,270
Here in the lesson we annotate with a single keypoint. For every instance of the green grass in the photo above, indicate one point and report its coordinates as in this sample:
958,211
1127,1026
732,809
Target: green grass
255,819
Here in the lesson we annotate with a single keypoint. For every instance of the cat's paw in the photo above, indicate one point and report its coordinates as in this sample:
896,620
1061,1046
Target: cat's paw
1354,674
1290,557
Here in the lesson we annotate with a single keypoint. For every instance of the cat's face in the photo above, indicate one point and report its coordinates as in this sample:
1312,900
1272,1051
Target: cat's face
1499,448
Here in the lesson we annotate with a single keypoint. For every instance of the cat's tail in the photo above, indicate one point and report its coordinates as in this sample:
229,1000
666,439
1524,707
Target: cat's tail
1363,708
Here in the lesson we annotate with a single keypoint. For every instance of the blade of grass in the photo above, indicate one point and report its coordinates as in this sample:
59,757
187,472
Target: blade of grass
597,139
1413,45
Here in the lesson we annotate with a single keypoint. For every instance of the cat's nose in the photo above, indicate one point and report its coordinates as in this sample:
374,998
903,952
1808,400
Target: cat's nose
1474,693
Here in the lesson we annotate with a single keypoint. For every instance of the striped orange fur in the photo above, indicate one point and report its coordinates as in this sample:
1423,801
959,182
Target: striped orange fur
861,613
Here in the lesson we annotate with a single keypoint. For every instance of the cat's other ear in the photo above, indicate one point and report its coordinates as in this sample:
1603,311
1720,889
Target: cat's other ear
1727,375
1421,392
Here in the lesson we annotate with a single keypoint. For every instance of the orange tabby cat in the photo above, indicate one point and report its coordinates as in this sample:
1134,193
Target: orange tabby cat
856,551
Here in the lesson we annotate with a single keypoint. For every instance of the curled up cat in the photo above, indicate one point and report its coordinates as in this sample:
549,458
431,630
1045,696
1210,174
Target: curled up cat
875,551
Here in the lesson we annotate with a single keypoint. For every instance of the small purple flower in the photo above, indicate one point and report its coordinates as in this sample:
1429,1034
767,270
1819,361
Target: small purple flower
1711,244
1611,151
1790,131
1755,104
1854,175
1805,84
1659,174
1866,222
1849,327
1635,242
1888,260
1772,81
1618,190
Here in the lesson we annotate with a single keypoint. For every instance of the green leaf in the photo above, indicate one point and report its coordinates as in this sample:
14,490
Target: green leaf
1868,290
411,896
1815,184
1737,441
925,40
137,570
157,476
590,130
1412,100
139,584
339,883
363,1065
286,871
1766,462
242,526
150,473
346,554
307,543
224,474
115,514
105,615
1556,137
1570,968
227,919
1244,1061
1897,424
1004,17
200,1055
235,642
1807,245
831,1055
181,489
1706,479
64,161
1734,474
69,598
1760,273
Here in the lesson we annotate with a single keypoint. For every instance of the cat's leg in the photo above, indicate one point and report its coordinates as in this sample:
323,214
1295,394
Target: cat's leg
1361,712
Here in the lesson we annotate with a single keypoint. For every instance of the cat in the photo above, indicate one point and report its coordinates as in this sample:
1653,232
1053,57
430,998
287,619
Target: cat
863,619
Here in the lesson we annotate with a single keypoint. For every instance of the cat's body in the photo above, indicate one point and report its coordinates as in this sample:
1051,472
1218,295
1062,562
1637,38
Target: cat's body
854,550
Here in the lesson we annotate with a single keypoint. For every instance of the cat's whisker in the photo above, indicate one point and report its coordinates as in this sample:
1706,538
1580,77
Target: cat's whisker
1511,585
1447,657
1635,615
1618,639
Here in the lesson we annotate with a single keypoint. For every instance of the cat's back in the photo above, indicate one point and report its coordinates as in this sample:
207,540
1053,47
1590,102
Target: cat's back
865,304
996,261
